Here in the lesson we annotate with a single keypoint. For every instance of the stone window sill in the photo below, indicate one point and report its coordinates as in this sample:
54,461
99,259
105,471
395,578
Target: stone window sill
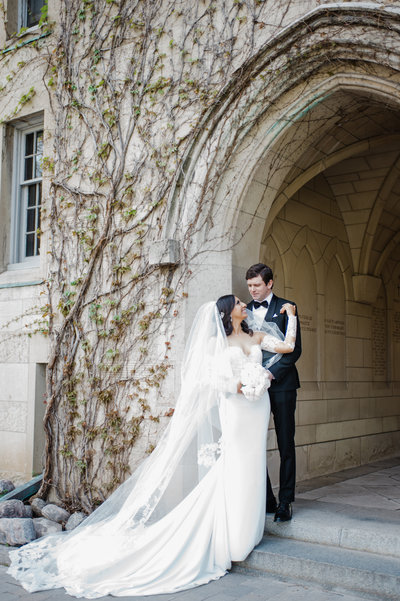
21,275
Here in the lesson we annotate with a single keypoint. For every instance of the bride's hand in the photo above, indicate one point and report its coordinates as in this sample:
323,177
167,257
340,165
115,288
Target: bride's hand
290,309
239,388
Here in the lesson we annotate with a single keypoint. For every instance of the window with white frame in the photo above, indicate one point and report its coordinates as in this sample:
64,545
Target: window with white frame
27,197
22,14
30,12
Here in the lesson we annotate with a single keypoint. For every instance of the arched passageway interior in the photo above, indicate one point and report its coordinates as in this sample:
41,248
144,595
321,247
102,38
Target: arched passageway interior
331,194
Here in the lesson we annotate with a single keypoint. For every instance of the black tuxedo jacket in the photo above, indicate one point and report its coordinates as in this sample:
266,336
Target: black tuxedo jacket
284,371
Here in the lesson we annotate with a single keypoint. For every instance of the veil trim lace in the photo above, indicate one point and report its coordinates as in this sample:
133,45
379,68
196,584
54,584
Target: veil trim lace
188,449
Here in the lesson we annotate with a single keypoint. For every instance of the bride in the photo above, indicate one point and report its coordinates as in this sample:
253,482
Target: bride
197,503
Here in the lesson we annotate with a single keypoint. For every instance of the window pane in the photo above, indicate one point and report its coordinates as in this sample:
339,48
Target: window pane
31,195
39,154
37,230
29,144
30,245
34,14
28,168
38,166
30,220
39,142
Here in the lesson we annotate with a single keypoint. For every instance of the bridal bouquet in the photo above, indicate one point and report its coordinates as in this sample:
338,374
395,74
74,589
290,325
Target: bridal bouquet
254,381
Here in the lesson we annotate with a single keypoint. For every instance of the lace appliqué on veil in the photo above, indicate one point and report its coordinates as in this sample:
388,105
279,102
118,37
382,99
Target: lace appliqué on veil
45,575
208,454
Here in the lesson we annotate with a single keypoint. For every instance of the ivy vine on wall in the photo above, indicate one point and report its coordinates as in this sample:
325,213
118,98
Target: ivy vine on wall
132,86
128,84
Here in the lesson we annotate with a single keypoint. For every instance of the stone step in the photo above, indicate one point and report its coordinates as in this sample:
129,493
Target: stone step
348,527
373,575
4,557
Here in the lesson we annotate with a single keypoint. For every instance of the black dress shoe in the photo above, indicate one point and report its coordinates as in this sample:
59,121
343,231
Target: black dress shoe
271,506
283,513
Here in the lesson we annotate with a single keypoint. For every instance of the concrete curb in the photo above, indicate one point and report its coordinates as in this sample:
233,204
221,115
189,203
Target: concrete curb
355,571
342,526
4,557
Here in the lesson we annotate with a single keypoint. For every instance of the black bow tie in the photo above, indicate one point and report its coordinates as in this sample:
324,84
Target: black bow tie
263,304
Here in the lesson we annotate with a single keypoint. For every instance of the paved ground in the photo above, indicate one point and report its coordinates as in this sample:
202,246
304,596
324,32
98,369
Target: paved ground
376,485
233,587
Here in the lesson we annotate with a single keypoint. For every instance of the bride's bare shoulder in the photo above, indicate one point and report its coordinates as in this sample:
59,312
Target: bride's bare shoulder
258,336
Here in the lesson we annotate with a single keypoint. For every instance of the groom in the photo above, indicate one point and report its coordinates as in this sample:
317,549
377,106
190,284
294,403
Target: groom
283,391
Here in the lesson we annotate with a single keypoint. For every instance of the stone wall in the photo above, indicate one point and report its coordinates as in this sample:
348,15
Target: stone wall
348,409
295,163
22,400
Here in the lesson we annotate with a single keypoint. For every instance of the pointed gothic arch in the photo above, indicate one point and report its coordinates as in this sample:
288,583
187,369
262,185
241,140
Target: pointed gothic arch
265,140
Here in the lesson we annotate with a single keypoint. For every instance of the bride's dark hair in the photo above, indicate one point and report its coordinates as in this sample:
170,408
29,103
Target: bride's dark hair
225,305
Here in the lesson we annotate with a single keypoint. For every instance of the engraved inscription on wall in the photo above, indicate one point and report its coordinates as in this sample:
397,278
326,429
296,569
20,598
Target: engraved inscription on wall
307,323
396,327
379,349
304,282
334,326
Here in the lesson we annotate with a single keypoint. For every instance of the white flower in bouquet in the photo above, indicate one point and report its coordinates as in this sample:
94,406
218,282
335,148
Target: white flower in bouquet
254,381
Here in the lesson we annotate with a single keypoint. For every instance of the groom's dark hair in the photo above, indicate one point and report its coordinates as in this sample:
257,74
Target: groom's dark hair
260,269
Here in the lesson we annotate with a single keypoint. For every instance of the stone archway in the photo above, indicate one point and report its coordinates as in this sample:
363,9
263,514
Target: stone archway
333,225
252,165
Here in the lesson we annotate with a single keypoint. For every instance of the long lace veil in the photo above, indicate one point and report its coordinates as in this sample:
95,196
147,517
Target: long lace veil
185,453
271,329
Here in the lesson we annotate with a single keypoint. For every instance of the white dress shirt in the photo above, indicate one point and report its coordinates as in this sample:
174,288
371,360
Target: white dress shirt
260,312
259,316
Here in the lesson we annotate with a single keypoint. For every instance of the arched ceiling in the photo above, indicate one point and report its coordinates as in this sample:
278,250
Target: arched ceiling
354,141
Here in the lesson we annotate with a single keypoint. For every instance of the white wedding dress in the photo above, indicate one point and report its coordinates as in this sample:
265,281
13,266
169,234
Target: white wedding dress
159,539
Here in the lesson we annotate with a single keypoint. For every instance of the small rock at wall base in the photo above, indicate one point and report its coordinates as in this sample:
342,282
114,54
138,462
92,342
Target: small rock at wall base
75,519
12,509
37,505
55,513
6,486
16,531
28,511
44,526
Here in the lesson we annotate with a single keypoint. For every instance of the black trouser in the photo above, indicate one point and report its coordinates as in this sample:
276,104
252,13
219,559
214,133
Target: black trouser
283,406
